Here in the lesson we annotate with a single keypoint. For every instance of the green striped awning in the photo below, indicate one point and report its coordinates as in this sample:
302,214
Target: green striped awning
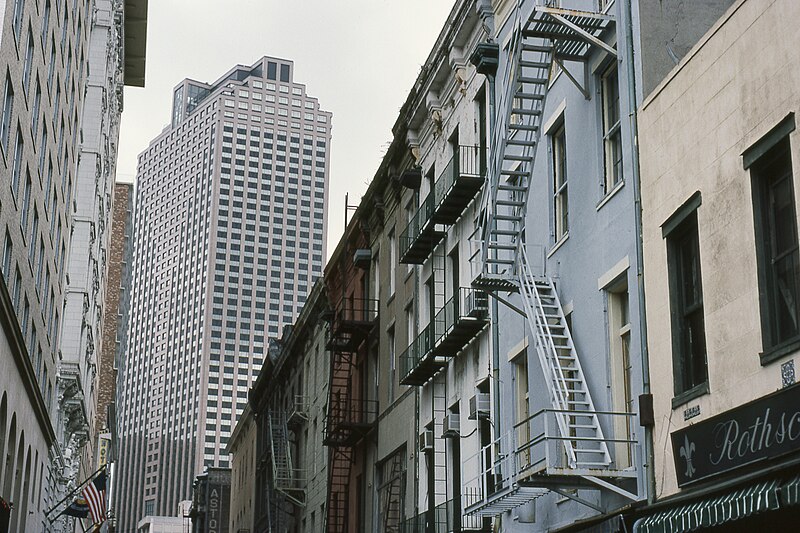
716,511
790,492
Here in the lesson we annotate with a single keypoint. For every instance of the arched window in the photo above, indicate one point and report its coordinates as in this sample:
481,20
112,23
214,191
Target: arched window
18,493
24,499
8,467
3,429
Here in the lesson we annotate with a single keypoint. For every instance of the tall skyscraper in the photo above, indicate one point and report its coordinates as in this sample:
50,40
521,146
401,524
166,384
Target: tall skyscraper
229,230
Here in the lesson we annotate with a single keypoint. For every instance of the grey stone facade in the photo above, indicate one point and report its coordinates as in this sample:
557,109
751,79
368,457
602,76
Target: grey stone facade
64,69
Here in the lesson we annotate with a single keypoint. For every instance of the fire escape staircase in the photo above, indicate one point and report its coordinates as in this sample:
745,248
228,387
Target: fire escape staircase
393,507
549,35
285,477
349,417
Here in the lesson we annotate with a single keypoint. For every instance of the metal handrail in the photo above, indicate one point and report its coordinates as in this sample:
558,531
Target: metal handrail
466,161
417,223
418,350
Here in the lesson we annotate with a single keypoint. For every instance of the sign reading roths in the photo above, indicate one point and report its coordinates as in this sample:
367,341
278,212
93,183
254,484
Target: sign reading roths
762,429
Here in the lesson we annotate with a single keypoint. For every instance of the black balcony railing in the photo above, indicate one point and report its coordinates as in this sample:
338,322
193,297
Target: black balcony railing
352,322
417,363
348,420
457,185
460,320
421,235
443,520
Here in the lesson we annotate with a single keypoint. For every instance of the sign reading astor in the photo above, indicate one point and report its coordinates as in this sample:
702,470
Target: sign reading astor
762,429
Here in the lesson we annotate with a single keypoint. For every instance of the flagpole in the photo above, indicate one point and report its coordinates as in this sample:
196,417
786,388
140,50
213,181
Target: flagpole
68,496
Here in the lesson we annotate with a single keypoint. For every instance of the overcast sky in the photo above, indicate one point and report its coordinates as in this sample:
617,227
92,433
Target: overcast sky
359,57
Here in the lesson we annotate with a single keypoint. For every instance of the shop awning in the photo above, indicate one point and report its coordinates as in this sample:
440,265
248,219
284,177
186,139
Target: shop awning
790,492
719,510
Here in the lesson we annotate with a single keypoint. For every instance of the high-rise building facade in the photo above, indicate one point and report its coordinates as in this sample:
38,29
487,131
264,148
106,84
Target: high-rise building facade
63,65
229,232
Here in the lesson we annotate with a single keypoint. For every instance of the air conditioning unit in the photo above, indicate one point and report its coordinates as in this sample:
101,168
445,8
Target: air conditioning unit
426,441
479,406
362,258
476,304
452,426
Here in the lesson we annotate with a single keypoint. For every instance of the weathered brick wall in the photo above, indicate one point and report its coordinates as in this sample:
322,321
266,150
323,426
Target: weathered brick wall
107,374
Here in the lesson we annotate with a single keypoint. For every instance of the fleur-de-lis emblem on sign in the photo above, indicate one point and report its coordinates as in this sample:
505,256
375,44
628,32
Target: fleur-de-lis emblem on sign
687,450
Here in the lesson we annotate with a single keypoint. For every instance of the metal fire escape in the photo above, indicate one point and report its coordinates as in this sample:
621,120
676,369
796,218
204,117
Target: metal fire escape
350,415
540,42
287,479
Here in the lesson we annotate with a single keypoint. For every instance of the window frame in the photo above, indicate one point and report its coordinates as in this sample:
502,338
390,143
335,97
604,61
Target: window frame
612,132
683,225
560,181
761,160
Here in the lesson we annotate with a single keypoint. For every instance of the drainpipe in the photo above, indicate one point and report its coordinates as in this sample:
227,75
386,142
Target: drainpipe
637,194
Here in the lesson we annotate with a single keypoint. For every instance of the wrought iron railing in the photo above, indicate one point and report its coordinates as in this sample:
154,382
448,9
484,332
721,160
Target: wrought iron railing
417,351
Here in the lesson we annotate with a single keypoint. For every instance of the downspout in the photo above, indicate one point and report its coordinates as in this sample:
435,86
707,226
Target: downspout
637,195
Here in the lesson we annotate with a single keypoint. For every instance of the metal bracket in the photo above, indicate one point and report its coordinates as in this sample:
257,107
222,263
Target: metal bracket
610,486
574,80
579,500
506,303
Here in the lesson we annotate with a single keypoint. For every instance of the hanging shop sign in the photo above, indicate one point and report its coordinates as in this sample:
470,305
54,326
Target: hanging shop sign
760,430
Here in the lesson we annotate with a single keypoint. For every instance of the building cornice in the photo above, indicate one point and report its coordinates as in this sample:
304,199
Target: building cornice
135,46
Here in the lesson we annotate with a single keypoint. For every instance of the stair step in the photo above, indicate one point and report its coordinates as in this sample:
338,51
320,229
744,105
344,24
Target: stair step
518,142
523,127
533,64
582,426
513,188
519,111
501,261
577,402
528,96
537,80
578,450
513,173
496,246
514,203
504,232
512,157
515,218
536,48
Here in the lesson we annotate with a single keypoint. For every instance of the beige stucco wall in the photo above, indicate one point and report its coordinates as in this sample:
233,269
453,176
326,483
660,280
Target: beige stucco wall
731,89
243,467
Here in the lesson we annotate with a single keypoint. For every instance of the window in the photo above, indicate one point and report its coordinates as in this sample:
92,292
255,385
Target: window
522,400
619,337
8,108
8,254
37,101
19,9
777,249
26,205
558,146
26,71
612,134
686,303
392,363
45,22
392,261
16,172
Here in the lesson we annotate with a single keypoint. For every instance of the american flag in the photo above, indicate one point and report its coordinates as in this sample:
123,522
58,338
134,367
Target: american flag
95,495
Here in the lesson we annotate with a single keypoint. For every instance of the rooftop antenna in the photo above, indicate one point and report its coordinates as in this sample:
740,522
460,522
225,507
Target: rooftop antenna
347,207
